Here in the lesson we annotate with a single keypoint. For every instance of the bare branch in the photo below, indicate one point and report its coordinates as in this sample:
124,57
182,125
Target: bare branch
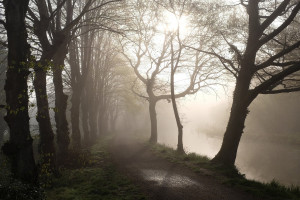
278,55
270,36
265,86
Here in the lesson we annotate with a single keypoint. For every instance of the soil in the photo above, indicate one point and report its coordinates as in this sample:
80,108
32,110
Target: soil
163,180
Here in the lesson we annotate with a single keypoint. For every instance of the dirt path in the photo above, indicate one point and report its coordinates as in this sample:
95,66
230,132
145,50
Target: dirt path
163,180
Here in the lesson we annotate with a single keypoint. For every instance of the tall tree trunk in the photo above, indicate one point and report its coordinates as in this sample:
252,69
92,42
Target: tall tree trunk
105,124
234,130
101,122
61,101
85,119
19,147
46,146
75,100
236,123
153,121
178,122
93,122
113,116
3,126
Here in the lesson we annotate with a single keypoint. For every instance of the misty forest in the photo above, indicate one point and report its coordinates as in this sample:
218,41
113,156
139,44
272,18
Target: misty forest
149,99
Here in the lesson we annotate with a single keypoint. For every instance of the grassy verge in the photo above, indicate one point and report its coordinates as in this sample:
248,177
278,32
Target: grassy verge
228,176
99,179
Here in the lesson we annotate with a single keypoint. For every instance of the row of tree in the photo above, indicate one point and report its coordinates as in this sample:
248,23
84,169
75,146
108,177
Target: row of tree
86,46
71,42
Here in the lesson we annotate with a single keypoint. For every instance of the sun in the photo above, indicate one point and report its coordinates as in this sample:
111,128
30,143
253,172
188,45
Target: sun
172,23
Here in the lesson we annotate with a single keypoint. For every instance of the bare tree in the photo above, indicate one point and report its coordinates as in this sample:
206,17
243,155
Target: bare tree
150,60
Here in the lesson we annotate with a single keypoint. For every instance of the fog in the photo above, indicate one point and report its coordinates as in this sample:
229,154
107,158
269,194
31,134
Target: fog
269,147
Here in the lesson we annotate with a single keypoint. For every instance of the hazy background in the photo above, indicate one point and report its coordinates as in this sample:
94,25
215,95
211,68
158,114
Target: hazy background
270,145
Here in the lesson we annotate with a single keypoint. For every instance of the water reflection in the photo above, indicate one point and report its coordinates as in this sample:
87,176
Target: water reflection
162,177
262,161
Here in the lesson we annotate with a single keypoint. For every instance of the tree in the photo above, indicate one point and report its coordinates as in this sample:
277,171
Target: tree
148,51
175,59
3,68
259,69
78,81
43,26
55,24
19,146
101,83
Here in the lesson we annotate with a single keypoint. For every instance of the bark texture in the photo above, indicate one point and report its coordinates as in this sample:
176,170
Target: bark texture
19,147
236,124
85,120
153,120
46,146
61,101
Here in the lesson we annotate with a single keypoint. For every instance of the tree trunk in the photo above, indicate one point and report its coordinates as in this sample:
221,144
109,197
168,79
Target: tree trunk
93,119
46,146
234,130
102,118
236,124
100,123
180,142
19,147
113,117
153,120
3,126
61,100
178,122
85,120
75,100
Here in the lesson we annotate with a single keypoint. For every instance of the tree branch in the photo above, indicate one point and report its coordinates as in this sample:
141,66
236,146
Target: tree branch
275,14
263,87
281,91
270,36
278,55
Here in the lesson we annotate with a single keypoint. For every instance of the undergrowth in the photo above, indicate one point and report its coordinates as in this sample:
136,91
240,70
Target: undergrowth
85,175
13,189
228,175
97,179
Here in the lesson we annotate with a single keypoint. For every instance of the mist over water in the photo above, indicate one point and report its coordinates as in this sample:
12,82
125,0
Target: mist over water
270,145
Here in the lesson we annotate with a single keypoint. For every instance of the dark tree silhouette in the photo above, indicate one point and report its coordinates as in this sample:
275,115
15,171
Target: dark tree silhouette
19,146
258,71
3,68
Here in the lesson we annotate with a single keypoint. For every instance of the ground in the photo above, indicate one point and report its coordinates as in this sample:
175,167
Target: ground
162,180
125,167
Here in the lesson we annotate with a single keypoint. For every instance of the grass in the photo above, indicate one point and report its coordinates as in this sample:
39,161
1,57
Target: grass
228,175
99,179
90,175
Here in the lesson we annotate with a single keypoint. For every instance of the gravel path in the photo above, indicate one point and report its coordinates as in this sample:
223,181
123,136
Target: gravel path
163,180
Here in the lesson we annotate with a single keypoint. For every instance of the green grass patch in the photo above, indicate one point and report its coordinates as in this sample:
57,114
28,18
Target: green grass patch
98,179
228,175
